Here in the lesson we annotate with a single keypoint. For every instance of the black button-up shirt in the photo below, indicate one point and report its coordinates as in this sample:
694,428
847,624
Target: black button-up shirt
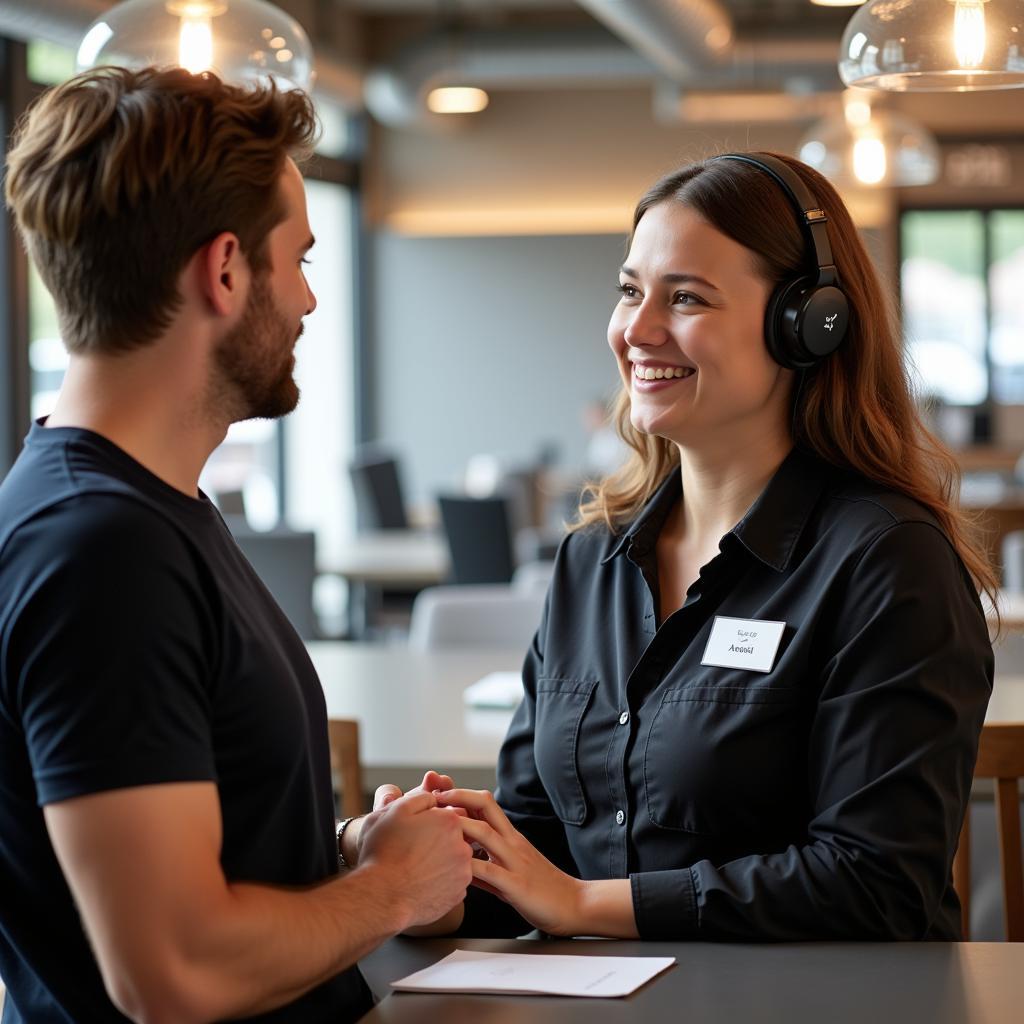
820,799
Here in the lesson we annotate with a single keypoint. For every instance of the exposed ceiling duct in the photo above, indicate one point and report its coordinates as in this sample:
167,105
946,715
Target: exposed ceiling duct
690,42
676,36
796,66
395,94
693,42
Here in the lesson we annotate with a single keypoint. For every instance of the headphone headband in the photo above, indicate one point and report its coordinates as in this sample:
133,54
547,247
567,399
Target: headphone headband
806,316
810,215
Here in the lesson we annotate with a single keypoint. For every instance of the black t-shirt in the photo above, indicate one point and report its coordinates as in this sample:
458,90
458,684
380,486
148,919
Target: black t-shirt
137,646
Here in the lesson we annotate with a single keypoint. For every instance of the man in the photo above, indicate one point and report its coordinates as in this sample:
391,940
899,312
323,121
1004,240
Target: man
167,834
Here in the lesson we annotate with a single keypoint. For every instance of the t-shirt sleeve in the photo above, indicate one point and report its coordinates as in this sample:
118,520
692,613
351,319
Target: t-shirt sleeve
109,651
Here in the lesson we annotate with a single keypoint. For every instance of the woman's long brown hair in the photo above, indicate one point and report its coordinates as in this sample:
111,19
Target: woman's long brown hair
856,408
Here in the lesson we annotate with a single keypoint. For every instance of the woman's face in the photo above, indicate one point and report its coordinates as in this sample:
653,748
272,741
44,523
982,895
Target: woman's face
692,311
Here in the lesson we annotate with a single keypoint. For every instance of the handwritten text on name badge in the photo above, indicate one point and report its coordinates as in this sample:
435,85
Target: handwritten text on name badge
743,643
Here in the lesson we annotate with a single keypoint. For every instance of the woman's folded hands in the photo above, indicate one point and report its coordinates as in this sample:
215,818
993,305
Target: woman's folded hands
513,869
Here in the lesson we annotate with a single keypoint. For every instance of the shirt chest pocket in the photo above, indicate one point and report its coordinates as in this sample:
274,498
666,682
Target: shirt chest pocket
561,705
724,761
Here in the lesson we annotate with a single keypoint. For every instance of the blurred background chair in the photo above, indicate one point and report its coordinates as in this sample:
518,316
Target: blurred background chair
286,562
346,767
380,506
537,527
533,576
230,503
1000,757
377,485
475,616
479,535
1013,562
521,486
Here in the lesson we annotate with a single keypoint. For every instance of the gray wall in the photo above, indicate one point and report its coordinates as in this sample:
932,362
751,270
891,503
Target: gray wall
488,345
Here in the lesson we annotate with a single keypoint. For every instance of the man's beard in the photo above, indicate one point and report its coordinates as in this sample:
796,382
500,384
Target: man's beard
253,362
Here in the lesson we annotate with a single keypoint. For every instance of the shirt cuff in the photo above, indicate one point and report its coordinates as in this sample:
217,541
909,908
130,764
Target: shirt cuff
665,904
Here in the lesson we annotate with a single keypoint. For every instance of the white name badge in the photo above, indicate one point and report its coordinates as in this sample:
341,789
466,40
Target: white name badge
743,643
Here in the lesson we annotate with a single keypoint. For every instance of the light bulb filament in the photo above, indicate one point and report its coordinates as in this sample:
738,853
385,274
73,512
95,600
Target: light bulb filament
869,160
969,32
195,44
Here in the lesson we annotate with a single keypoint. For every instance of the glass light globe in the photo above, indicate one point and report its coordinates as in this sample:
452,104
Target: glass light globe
885,149
934,45
240,40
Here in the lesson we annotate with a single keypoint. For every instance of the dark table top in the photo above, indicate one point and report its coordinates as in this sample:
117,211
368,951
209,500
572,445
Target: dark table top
824,983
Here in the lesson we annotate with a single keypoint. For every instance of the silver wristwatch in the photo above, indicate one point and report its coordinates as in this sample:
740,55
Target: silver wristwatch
339,833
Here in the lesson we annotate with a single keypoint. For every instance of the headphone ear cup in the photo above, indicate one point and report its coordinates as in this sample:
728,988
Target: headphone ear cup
781,316
805,324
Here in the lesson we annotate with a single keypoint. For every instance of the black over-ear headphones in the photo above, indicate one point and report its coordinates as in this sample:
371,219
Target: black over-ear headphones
807,316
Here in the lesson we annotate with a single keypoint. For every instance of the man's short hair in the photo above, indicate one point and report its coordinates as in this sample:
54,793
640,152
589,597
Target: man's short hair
117,177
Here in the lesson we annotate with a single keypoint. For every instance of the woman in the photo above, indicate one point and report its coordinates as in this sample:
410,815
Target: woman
753,704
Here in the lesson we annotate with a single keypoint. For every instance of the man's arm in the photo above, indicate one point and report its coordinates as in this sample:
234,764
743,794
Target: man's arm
176,941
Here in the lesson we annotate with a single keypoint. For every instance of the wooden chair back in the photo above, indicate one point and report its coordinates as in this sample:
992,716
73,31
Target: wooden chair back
1000,757
346,769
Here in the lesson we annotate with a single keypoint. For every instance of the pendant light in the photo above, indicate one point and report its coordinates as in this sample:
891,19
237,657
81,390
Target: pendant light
239,40
869,148
935,45
457,99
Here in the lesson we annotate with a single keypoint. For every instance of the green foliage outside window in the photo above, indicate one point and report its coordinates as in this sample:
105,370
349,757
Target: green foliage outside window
49,63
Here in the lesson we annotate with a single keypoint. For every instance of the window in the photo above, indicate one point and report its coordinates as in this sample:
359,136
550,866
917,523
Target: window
47,357
962,319
49,63
294,470
1006,279
320,434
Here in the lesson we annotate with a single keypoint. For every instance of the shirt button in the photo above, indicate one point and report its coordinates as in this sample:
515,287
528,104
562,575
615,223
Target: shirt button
624,718
620,817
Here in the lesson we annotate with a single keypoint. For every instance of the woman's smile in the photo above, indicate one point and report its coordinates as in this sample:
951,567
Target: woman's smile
651,376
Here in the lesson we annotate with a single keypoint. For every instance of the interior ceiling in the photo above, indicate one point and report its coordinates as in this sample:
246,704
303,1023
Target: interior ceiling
386,25
799,16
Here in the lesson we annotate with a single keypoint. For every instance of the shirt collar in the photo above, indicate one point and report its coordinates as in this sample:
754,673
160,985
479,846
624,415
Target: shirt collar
769,530
642,534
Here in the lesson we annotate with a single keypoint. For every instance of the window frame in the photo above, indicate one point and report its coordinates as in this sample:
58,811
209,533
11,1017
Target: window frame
16,92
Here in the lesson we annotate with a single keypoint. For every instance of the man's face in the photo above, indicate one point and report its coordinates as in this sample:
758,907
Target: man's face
255,361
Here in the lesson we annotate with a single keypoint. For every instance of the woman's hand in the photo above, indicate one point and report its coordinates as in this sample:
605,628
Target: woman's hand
514,869
433,782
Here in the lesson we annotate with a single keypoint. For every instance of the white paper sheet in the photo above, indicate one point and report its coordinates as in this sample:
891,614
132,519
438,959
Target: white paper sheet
496,690
534,974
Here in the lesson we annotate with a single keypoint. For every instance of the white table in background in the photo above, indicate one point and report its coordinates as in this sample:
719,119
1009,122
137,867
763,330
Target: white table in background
392,558
412,717
397,559
410,709
1011,608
